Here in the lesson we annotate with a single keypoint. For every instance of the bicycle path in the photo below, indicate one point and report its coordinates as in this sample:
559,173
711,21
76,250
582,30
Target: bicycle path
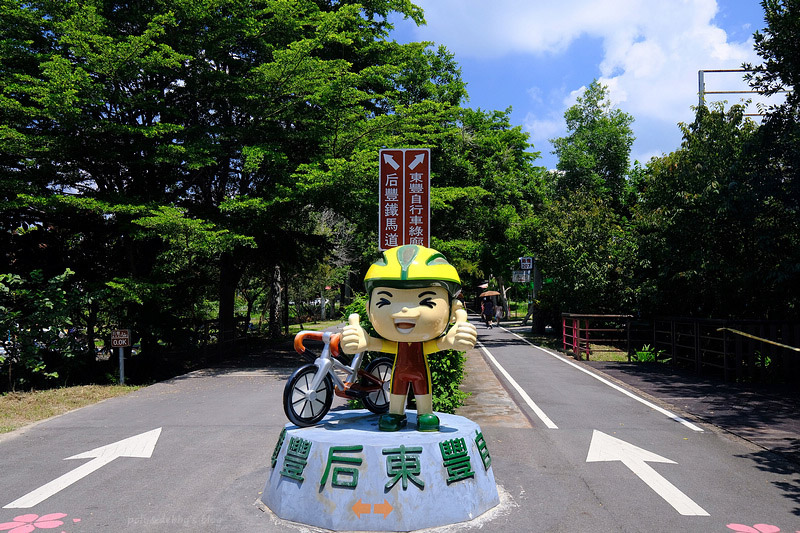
218,429
733,480
766,415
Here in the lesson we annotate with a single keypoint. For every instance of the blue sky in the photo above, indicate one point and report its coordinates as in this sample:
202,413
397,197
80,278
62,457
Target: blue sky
537,56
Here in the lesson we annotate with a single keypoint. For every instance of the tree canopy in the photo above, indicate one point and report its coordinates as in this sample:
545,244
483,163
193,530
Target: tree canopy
166,163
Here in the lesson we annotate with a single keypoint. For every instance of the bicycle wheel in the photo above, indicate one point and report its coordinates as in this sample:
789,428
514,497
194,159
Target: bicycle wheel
303,406
378,401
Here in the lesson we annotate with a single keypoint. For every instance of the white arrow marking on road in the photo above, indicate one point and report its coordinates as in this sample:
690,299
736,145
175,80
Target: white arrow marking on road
137,446
607,448
417,161
389,160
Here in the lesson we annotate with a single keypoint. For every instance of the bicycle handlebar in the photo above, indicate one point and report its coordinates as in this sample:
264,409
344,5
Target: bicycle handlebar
316,336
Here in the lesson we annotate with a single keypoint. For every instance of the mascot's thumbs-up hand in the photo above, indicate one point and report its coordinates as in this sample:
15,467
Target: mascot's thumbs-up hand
462,335
354,338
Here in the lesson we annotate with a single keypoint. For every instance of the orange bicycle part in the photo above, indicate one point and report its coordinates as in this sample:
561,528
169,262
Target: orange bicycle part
316,336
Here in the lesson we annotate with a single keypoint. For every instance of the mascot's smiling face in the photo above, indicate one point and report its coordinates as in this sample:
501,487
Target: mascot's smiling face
409,315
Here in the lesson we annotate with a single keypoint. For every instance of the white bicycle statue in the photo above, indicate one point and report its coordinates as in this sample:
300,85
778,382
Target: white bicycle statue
308,394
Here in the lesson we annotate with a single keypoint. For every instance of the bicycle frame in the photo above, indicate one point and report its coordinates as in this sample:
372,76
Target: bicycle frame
309,391
327,362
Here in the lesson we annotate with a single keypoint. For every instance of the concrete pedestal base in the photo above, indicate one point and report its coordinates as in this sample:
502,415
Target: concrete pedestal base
345,474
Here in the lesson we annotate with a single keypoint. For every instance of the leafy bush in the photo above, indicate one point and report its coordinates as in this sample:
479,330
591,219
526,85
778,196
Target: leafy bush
648,355
37,329
447,373
447,367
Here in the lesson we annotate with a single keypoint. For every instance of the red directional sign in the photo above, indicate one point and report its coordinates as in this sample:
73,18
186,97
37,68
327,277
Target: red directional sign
404,197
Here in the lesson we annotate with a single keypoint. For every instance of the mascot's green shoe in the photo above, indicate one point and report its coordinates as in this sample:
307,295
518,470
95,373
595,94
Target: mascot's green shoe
392,422
428,422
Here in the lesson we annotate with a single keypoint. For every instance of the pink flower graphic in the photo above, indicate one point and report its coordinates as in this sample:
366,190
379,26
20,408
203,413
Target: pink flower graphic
758,528
29,522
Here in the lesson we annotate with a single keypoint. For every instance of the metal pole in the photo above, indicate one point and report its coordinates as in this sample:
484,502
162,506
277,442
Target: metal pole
701,87
122,366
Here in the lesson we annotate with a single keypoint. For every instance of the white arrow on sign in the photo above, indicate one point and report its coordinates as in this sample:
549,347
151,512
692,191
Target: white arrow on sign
137,446
607,448
417,161
389,160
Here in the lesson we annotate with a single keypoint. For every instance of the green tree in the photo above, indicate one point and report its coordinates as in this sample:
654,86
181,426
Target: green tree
586,249
595,153
485,186
34,318
582,236
186,120
779,46
716,234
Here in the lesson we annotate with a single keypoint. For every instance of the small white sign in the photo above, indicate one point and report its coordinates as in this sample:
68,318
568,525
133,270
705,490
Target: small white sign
520,276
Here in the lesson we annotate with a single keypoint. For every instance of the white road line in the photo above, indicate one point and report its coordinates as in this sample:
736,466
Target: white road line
542,416
628,393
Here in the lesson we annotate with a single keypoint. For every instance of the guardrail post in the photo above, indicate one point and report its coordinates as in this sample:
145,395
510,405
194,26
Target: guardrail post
672,342
628,336
697,358
588,331
725,352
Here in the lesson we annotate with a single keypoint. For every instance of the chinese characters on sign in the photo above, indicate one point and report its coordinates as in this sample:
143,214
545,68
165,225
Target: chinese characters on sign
456,459
277,449
404,198
351,471
120,338
296,458
402,463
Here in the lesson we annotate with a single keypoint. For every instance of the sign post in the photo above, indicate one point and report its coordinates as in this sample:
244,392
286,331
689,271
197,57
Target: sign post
121,339
404,197
523,275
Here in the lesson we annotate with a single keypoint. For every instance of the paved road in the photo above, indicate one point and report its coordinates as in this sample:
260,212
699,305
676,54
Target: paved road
732,480
209,462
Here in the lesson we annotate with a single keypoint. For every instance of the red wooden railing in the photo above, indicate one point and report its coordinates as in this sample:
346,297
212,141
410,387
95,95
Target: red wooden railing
580,332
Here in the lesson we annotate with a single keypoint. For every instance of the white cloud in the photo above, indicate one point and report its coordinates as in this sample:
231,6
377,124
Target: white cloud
651,50
647,45
544,129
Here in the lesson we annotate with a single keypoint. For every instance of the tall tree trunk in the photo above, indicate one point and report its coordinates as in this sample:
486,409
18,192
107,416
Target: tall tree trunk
286,311
228,279
275,303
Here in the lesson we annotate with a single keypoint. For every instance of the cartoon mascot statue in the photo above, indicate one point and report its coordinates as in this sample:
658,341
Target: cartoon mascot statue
412,293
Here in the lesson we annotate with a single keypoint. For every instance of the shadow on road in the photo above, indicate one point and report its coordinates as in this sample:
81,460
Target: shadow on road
777,463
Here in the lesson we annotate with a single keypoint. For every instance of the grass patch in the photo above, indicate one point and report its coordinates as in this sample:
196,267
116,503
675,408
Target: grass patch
319,325
600,352
18,409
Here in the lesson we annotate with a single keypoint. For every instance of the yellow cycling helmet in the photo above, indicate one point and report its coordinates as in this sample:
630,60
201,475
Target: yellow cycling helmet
412,266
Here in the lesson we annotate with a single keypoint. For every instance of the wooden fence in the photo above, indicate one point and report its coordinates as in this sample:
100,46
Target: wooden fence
736,350
211,334
580,332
